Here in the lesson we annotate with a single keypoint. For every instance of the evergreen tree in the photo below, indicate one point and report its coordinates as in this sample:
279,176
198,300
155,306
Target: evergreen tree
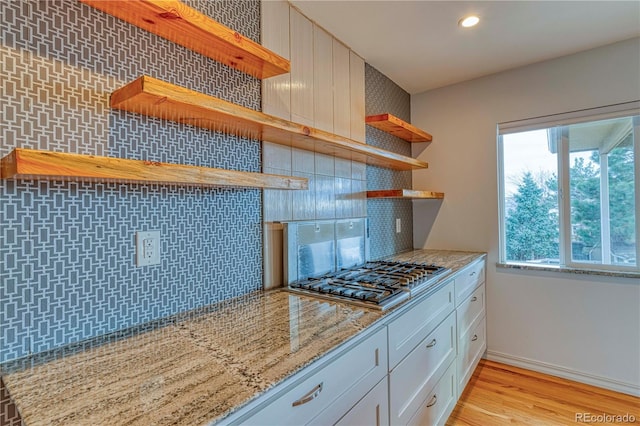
621,192
585,205
622,214
531,228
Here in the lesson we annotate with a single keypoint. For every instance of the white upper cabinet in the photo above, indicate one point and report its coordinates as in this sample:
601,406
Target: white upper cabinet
341,93
323,79
276,91
356,83
301,42
325,88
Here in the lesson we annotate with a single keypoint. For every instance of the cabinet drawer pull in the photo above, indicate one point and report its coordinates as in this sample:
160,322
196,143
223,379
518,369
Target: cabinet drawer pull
472,274
474,298
432,343
433,401
474,338
313,393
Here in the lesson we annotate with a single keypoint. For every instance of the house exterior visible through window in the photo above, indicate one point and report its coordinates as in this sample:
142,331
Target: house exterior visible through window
569,189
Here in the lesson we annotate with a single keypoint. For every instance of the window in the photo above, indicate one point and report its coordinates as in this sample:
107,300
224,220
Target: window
569,191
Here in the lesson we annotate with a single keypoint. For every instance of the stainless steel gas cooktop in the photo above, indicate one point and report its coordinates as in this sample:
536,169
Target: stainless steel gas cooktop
379,284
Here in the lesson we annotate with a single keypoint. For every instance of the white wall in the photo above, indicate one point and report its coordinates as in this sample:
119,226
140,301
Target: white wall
584,327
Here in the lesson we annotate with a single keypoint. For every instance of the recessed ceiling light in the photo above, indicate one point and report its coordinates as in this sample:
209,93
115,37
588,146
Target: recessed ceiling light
469,21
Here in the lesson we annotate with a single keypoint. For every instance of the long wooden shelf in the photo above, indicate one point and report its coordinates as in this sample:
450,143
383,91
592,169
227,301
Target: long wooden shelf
156,98
405,193
32,164
179,23
397,127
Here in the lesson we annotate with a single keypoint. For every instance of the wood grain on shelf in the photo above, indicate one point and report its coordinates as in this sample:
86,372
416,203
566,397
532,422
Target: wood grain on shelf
153,97
187,27
405,193
397,127
32,164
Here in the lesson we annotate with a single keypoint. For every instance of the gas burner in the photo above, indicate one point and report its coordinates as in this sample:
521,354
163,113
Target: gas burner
380,284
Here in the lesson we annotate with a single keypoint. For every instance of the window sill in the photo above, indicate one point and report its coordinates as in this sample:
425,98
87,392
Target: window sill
567,270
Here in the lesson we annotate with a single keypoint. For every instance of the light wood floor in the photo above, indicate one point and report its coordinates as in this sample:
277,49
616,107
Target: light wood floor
499,394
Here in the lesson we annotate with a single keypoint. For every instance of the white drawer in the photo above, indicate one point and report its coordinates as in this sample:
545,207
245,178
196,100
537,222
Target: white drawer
406,331
372,410
353,374
471,309
471,346
468,279
412,380
440,402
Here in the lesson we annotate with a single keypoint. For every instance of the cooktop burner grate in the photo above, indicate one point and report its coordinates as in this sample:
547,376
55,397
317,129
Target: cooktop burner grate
380,284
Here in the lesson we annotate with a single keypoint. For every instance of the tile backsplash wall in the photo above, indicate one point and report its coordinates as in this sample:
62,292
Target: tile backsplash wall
336,186
67,248
384,96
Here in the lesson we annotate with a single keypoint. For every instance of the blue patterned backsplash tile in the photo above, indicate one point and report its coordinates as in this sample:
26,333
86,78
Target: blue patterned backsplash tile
67,252
384,96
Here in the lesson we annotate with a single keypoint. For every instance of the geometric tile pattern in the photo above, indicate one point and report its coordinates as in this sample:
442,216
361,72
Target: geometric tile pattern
384,96
67,254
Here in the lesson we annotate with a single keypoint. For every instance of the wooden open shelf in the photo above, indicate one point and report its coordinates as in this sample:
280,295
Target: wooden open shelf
397,127
32,164
187,27
156,98
405,193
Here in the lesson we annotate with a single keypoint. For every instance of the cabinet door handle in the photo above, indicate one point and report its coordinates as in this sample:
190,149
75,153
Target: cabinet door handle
474,298
474,338
472,274
311,395
432,343
433,401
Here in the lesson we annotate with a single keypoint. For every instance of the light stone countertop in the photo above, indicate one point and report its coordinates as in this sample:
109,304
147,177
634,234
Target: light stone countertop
200,368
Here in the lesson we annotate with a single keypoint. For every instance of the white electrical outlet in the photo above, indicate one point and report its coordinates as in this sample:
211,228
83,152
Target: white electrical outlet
147,248
398,225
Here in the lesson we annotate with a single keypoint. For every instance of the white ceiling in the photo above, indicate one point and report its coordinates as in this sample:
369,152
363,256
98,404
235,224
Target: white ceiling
419,45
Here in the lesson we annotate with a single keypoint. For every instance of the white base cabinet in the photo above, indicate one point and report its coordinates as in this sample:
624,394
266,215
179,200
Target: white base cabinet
471,319
427,378
410,371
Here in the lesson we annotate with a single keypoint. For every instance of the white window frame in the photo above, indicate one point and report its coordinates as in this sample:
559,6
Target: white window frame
564,202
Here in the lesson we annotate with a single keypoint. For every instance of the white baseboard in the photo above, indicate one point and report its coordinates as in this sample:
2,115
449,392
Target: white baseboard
566,373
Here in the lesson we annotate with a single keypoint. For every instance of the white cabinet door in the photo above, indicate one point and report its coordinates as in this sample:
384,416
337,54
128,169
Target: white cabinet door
409,329
341,93
372,410
470,310
471,346
412,380
468,279
322,79
301,41
276,91
439,404
356,83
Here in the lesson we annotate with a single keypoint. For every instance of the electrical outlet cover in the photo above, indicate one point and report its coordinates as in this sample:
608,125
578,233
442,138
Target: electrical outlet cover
147,248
